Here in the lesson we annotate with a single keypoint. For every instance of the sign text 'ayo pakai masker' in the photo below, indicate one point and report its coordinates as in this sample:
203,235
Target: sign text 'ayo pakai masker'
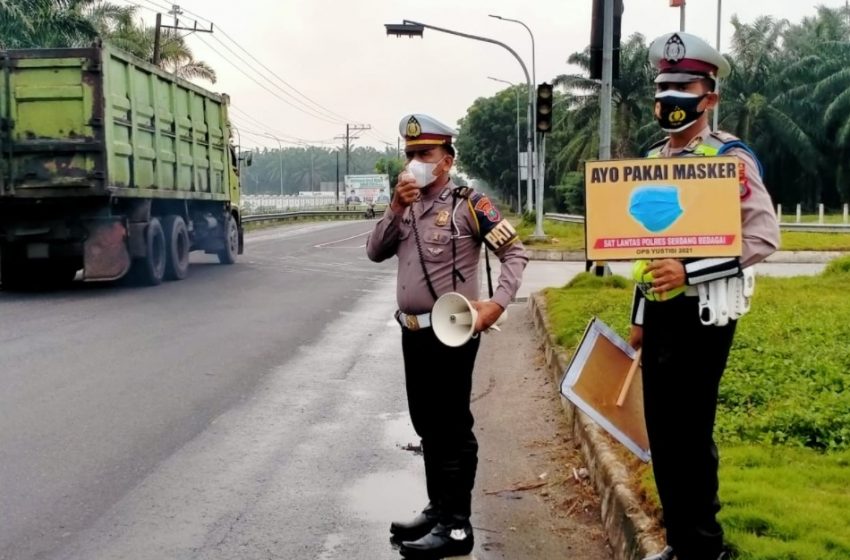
663,208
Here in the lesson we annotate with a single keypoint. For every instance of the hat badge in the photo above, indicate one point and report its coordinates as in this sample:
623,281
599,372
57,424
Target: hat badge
674,49
414,129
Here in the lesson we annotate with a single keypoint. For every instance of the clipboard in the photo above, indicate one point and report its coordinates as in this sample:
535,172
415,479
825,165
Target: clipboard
603,380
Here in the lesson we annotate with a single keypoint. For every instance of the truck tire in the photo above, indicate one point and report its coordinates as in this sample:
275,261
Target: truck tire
231,241
177,247
14,274
150,269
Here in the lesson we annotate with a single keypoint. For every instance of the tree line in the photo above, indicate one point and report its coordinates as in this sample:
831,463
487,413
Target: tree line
788,97
306,168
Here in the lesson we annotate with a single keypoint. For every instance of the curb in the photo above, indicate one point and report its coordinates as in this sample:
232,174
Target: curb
628,527
785,257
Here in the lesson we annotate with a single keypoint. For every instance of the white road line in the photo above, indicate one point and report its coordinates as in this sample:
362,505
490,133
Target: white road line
322,245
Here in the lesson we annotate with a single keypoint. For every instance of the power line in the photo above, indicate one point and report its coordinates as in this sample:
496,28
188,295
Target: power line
306,108
283,99
272,72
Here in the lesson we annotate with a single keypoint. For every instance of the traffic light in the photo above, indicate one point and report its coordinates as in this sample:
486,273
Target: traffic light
597,33
545,98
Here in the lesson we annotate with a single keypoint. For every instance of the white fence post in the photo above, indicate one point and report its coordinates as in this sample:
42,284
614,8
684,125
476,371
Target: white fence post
799,213
779,213
845,212
820,213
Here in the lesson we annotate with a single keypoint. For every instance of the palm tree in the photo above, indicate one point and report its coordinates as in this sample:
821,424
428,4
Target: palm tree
764,102
631,96
45,23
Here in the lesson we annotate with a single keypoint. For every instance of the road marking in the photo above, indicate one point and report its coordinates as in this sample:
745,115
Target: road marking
323,245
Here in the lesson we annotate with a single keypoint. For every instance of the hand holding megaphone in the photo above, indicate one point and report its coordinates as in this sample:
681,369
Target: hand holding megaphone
455,319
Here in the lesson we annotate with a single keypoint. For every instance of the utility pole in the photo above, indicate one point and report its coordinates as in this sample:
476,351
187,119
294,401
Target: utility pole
607,78
337,178
682,16
349,128
717,84
157,43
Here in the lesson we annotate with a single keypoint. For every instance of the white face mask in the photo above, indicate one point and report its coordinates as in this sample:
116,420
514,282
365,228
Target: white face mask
423,172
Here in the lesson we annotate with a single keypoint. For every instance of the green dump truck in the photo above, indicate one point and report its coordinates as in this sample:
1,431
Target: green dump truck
110,165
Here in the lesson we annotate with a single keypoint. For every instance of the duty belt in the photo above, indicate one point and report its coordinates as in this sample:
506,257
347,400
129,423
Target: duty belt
413,322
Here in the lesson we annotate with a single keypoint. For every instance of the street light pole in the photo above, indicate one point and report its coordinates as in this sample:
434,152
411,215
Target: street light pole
518,148
280,159
413,28
533,110
682,16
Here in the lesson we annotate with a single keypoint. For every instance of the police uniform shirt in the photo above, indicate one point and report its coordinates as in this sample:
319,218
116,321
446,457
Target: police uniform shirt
393,235
760,230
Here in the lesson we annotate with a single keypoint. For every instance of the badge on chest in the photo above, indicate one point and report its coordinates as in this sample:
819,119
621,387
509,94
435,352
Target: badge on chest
442,218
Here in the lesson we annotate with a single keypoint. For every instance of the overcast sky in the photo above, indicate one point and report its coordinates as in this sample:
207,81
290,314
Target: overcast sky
337,54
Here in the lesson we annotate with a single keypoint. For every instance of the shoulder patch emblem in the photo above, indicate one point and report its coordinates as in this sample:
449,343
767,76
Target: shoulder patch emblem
486,207
744,183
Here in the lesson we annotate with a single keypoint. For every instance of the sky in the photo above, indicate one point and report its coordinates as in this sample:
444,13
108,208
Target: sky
336,54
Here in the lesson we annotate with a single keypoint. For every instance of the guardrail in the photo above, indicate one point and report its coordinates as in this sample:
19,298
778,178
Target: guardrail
819,228
305,214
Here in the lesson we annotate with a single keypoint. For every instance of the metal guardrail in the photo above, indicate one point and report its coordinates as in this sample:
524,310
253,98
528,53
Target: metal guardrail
305,214
819,228
808,227
572,218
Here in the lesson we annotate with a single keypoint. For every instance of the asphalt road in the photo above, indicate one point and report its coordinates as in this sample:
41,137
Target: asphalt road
254,411
251,411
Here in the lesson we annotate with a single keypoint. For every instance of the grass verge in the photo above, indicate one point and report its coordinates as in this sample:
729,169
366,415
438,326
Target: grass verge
570,237
783,423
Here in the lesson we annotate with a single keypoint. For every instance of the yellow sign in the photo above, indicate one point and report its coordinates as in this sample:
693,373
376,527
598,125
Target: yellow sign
664,208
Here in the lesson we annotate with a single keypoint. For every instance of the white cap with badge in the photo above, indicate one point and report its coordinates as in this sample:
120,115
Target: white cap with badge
681,57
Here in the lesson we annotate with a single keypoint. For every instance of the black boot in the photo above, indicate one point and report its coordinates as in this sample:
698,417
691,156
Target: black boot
416,528
441,542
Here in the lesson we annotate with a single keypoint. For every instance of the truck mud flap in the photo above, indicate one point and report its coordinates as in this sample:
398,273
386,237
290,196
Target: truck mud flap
105,255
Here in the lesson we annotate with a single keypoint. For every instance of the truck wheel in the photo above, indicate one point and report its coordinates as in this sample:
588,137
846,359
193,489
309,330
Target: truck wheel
150,270
231,241
177,247
14,273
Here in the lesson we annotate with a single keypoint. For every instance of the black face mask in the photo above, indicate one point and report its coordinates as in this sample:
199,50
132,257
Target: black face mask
676,110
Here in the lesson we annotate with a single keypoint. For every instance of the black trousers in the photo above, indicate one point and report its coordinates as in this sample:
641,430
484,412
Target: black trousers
683,362
439,385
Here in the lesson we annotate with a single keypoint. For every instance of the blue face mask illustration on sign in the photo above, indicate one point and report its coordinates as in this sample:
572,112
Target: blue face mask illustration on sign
655,208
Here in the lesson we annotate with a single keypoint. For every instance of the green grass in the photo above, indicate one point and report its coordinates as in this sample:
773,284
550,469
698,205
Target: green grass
781,503
570,237
562,235
808,241
783,423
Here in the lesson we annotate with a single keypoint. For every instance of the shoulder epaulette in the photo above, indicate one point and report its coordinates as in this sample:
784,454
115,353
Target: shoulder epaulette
659,144
463,192
725,137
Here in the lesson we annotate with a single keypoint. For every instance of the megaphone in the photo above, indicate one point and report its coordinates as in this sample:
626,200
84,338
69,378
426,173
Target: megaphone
453,319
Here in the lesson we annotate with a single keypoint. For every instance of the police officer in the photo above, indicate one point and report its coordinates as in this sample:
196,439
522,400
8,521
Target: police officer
436,230
683,359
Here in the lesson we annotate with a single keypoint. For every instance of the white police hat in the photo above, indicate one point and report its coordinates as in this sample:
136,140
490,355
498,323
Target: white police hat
682,57
422,132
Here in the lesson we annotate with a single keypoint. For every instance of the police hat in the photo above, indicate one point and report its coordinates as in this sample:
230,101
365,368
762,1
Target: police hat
422,132
681,57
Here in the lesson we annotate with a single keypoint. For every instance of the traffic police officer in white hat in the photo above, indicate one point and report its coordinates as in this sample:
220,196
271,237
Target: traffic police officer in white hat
436,230
684,356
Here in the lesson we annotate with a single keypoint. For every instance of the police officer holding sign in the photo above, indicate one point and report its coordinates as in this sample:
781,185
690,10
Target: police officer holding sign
436,230
684,354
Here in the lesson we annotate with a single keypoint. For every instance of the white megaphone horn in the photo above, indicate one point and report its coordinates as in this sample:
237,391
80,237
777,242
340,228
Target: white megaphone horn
453,319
